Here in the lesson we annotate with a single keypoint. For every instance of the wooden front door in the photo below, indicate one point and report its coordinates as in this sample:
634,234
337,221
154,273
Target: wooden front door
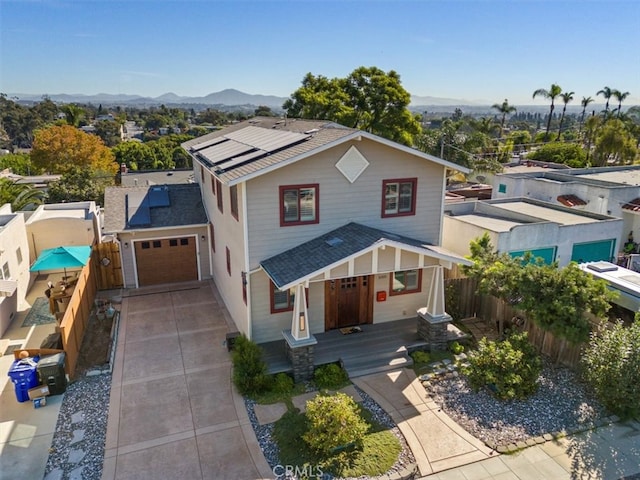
348,302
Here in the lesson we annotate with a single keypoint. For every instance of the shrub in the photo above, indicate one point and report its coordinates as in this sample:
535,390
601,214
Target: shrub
611,363
456,348
510,368
330,377
249,369
334,422
282,384
421,357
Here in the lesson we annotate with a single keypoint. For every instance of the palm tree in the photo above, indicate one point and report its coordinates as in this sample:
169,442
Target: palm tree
20,196
566,98
73,114
620,97
504,109
590,129
585,103
606,92
551,94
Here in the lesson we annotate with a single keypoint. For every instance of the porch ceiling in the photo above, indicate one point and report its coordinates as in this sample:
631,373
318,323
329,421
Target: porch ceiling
341,246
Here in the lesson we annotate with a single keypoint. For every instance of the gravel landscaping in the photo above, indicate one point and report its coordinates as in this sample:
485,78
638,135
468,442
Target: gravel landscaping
561,404
270,448
77,449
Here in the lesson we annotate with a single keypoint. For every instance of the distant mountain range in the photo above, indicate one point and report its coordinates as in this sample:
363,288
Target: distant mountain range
231,98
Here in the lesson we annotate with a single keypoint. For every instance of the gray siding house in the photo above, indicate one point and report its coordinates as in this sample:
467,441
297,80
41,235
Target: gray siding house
314,226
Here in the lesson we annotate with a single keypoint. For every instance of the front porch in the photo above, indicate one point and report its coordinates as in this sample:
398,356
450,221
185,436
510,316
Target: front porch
377,347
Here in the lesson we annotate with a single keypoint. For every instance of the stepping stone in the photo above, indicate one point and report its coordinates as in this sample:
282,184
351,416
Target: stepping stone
75,456
78,436
77,417
55,474
300,401
269,413
352,392
76,473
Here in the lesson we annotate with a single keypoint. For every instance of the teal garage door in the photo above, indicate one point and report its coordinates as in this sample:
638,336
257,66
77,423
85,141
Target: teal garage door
593,251
547,254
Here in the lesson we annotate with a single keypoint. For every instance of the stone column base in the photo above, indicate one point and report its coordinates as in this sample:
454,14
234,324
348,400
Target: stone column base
433,329
301,355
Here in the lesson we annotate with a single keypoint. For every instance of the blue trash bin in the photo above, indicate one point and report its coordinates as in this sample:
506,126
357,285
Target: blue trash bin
24,375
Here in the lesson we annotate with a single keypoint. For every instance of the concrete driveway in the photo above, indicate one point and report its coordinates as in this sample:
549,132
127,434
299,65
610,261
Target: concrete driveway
173,411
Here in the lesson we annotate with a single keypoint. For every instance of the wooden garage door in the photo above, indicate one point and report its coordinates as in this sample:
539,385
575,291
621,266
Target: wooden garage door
166,260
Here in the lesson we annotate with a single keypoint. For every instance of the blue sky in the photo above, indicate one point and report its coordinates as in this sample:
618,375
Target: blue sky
482,50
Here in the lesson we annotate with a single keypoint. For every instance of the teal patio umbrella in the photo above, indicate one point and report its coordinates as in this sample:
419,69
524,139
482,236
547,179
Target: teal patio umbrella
61,258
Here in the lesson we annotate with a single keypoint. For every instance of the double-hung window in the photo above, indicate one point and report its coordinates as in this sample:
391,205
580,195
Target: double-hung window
407,281
399,197
299,204
282,300
233,193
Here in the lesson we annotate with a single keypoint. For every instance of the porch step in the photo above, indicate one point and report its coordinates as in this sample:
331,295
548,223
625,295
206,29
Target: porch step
376,363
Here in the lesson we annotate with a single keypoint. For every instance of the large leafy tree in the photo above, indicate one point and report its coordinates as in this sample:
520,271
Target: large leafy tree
80,183
556,299
505,109
614,144
59,148
368,99
73,114
20,196
570,154
551,94
17,163
566,98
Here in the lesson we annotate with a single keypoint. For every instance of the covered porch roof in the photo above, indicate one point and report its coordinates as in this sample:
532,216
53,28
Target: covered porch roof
342,246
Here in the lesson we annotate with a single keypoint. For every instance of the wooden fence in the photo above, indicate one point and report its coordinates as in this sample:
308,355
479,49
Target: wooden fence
76,316
464,302
106,257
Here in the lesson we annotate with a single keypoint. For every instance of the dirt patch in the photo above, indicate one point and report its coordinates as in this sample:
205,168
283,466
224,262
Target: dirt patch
96,345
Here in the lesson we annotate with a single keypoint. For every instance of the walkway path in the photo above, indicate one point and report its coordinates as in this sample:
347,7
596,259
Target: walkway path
437,442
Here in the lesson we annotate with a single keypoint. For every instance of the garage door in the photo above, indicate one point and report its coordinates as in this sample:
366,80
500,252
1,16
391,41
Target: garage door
593,251
166,260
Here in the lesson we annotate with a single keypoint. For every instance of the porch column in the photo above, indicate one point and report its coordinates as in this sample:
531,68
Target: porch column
299,343
432,319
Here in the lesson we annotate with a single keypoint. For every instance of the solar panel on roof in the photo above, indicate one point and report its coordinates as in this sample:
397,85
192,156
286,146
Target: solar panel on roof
159,197
237,161
266,139
200,146
217,154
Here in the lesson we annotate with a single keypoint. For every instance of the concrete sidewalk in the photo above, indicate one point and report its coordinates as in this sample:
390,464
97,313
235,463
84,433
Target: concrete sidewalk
173,411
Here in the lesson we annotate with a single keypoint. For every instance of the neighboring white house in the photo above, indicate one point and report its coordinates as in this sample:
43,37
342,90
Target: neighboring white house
14,264
613,191
517,225
62,224
314,226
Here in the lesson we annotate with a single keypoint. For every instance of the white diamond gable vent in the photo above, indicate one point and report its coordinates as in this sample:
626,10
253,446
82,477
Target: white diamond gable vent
352,164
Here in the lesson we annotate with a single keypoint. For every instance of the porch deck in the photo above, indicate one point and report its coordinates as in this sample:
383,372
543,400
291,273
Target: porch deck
376,348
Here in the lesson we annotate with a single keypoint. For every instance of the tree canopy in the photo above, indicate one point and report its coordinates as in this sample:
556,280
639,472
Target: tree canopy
368,99
58,148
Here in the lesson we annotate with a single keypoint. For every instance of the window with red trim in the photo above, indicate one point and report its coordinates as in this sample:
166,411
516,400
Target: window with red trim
212,231
228,261
202,173
399,197
213,186
407,281
219,188
299,204
244,287
233,193
282,300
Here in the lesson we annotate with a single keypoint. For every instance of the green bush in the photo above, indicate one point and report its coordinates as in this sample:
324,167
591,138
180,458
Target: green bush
249,369
510,368
611,364
456,348
282,384
334,422
420,357
330,377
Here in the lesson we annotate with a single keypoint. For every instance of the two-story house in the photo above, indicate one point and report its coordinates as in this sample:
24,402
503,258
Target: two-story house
314,226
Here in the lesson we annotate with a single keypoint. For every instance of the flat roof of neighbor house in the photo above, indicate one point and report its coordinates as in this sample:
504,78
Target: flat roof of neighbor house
493,223
62,210
547,212
621,280
156,177
625,177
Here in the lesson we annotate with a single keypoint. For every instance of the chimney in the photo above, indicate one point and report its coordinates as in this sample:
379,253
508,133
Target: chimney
123,167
